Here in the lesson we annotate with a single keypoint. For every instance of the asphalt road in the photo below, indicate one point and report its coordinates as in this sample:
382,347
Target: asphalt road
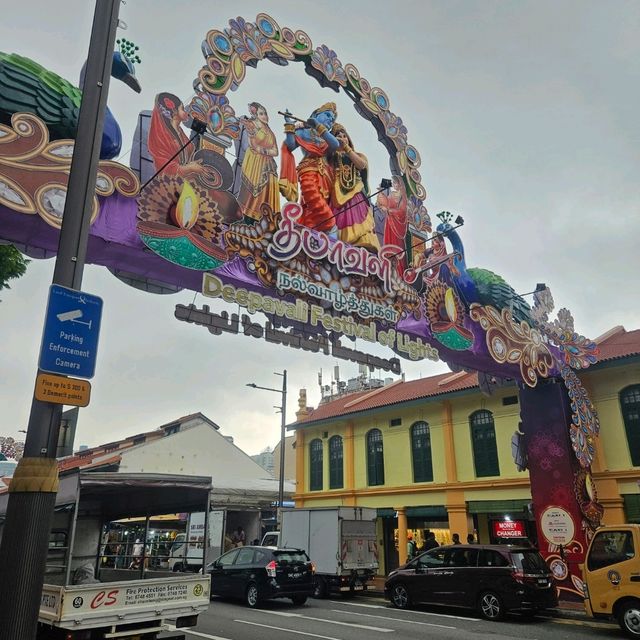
371,618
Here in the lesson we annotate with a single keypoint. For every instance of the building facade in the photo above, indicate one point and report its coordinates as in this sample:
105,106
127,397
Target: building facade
437,454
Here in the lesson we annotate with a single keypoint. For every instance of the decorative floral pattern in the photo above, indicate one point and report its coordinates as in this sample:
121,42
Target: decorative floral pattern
242,44
34,172
326,60
585,424
514,343
418,215
10,448
217,112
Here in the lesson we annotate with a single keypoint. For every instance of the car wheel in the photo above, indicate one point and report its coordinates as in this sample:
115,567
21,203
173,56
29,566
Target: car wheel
252,596
400,596
629,618
490,606
299,600
320,588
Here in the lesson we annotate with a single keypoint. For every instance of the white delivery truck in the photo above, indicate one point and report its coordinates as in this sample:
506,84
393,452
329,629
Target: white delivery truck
92,591
341,542
189,548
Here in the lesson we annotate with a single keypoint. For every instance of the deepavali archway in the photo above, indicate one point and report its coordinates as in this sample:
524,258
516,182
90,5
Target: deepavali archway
291,230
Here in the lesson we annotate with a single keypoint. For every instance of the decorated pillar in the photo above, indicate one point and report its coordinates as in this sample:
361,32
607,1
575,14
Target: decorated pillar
564,496
402,534
300,473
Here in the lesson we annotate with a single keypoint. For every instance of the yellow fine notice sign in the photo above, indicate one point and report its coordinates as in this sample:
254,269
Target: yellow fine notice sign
62,390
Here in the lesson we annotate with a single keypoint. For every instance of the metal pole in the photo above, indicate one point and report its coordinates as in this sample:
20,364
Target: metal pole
23,551
282,439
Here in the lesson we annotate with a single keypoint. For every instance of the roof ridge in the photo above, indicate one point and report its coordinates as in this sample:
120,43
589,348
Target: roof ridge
366,396
609,334
452,378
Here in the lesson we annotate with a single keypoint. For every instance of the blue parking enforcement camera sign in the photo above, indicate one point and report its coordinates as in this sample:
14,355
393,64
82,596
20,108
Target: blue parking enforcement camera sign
70,336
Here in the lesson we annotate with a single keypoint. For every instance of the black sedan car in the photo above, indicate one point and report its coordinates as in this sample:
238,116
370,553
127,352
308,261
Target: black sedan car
256,574
493,579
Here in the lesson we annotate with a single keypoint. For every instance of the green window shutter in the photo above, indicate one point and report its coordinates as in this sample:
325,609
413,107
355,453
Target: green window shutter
315,465
336,474
485,452
630,406
375,458
421,452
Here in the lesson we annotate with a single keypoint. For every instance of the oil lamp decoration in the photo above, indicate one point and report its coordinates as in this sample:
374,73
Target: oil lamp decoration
185,223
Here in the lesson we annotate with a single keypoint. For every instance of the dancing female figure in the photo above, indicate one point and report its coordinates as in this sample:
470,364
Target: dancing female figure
394,205
352,211
259,179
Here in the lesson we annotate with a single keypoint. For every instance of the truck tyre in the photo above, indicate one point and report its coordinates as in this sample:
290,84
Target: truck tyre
177,567
400,596
320,588
490,606
252,596
629,617
299,600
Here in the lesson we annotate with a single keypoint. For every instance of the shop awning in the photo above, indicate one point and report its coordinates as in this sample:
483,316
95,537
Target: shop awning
497,506
434,511
632,507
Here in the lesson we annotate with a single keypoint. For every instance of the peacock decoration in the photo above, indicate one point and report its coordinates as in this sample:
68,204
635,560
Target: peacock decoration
27,87
458,287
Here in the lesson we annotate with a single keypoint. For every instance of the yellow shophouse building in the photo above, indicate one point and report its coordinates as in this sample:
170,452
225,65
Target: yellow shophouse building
437,454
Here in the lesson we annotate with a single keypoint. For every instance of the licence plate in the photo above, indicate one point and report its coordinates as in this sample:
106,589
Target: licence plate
542,581
295,575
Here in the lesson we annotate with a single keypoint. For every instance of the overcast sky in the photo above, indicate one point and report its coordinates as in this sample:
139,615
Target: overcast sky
526,118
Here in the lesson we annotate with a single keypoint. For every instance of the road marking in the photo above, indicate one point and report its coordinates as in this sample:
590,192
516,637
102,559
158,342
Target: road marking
584,623
342,624
370,615
196,633
302,633
420,613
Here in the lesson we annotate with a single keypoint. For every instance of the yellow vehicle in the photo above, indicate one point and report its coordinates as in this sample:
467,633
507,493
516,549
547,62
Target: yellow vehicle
612,576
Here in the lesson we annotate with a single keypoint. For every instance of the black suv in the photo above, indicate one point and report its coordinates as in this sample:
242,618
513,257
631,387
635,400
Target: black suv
493,579
256,574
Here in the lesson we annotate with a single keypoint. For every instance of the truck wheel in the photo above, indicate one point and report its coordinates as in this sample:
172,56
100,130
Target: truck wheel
177,567
490,606
252,596
629,618
299,600
320,589
400,596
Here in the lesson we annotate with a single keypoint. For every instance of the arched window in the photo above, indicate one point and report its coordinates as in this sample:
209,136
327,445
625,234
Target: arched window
336,476
630,406
315,465
421,452
375,458
483,436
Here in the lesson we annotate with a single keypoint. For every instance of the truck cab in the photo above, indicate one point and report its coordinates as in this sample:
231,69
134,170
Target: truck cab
611,575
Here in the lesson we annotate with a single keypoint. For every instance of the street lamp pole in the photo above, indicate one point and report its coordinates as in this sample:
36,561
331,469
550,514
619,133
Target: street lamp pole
283,417
283,422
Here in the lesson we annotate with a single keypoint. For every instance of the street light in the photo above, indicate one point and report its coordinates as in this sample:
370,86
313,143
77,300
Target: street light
283,412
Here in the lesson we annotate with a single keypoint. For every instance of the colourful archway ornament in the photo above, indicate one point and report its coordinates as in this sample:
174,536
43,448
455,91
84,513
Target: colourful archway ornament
289,229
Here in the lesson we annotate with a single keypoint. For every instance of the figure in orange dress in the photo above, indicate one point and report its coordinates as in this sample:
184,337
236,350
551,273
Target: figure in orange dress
314,172
394,205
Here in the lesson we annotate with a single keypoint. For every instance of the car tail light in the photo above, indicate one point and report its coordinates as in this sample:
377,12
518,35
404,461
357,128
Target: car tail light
518,576
271,569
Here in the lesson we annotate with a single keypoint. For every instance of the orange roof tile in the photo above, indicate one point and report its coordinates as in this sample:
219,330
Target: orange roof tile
615,344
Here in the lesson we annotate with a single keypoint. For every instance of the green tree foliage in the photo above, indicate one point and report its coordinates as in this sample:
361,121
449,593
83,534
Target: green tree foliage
12,264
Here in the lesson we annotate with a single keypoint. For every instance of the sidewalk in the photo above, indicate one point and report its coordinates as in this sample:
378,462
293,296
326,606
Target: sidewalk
566,608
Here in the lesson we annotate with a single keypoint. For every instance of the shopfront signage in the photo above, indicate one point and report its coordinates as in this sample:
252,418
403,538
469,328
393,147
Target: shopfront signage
509,529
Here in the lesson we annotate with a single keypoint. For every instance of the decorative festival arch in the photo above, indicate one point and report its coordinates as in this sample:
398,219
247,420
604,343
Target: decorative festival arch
187,229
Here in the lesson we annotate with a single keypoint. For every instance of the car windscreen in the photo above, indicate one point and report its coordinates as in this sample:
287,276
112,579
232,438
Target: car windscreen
529,561
290,555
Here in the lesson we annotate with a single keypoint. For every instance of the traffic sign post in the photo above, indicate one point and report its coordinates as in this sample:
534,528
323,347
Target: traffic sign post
71,329
32,493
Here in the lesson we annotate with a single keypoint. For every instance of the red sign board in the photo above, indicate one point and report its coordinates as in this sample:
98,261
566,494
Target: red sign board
509,529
